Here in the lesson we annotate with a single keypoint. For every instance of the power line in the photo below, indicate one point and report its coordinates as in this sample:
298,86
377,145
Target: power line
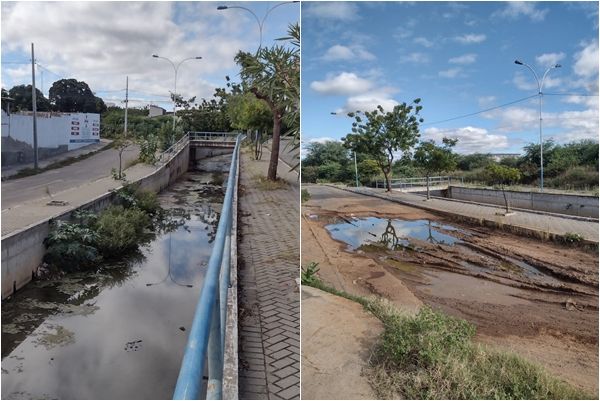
573,94
482,111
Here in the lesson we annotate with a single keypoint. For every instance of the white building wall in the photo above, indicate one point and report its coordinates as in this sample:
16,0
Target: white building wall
54,129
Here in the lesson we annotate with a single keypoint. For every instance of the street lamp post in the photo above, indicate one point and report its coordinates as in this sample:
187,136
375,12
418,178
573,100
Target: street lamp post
355,164
175,68
540,96
261,23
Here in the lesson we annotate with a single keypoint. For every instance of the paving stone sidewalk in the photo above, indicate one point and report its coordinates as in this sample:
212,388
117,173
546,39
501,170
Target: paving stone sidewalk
549,224
269,257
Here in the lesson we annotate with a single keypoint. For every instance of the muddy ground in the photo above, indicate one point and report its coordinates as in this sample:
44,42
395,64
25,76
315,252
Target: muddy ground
538,299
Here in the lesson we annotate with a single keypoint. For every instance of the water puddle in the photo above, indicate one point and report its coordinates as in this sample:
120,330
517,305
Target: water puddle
412,247
118,332
391,233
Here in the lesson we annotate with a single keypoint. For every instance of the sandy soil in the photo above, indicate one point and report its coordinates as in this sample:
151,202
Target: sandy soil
336,344
547,311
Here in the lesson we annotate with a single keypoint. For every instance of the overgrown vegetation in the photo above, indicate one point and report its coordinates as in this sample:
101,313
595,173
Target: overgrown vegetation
431,355
305,195
571,166
265,184
89,238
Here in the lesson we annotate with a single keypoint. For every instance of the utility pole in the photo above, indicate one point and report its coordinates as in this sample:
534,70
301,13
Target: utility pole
42,79
355,169
126,103
34,107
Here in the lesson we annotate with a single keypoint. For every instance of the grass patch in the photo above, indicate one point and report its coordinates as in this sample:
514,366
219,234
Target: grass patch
432,355
265,184
305,195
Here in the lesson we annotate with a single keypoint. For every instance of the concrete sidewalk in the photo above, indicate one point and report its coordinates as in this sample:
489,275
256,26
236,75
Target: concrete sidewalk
544,226
9,171
268,271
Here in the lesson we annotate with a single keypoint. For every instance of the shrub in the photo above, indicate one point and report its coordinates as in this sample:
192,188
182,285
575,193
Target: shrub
71,246
121,230
309,274
305,195
147,201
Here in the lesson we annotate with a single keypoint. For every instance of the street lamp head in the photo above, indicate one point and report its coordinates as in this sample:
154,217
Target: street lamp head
518,62
155,55
222,8
557,66
333,113
198,58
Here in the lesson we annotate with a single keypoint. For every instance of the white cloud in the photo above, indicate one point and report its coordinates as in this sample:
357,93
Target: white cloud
527,82
469,38
331,10
102,42
486,101
516,9
345,83
368,102
416,57
586,61
339,52
423,41
549,59
450,73
470,139
464,59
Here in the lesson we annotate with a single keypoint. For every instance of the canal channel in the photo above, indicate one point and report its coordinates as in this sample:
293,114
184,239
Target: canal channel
118,332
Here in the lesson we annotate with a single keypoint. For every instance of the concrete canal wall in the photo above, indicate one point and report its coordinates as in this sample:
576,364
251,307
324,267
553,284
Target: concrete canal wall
23,250
574,205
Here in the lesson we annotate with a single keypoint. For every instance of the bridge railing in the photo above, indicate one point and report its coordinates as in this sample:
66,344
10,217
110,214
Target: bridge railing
416,182
213,136
173,149
206,341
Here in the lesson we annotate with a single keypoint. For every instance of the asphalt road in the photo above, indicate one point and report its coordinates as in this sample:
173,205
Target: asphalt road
15,192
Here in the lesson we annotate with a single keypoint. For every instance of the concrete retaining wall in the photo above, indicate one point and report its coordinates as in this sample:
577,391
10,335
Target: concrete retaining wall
574,205
23,251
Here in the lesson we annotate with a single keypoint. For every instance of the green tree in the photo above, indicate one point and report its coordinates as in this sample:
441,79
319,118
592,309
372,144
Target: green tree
368,169
434,159
121,143
319,153
22,99
248,113
73,96
273,75
502,175
384,133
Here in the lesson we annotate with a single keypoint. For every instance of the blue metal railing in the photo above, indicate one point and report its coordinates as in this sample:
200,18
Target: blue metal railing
206,340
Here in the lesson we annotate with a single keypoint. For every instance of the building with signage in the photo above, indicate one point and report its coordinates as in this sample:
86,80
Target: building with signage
56,132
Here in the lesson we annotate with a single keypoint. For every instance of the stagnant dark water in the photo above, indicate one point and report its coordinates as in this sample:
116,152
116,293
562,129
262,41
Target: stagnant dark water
120,332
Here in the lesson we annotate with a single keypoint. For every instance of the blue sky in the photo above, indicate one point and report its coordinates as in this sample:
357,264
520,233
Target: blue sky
459,59
103,42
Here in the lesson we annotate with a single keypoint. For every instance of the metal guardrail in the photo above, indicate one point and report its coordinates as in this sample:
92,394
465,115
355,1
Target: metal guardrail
416,182
206,341
196,136
174,149
213,136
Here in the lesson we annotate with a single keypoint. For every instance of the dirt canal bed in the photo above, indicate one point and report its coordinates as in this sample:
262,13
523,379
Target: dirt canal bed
118,332
535,298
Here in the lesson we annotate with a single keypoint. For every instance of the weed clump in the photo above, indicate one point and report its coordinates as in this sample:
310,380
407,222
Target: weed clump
431,355
121,230
84,242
